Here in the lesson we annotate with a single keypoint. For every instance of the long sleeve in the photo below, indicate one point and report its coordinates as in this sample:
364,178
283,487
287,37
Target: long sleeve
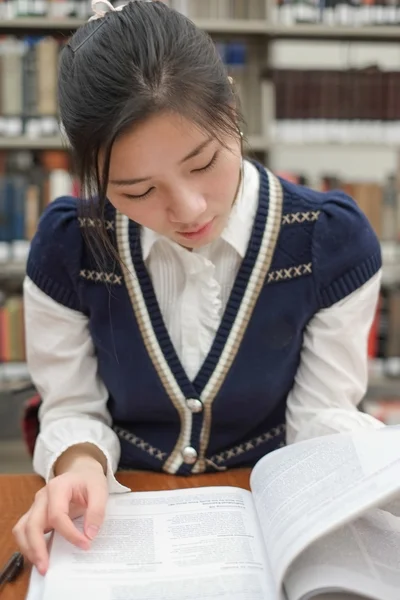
333,372
63,366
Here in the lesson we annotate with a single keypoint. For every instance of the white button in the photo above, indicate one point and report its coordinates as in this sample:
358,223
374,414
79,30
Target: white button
196,406
189,455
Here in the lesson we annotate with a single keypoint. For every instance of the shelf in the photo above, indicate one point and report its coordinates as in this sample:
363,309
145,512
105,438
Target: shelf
255,142
40,25
390,275
356,145
326,33
13,376
233,26
25,143
12,270
14,385
383,387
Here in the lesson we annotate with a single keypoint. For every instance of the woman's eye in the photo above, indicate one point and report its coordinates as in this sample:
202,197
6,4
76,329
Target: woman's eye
208,166
139,196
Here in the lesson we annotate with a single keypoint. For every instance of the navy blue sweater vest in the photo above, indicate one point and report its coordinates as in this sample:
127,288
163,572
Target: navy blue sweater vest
307,251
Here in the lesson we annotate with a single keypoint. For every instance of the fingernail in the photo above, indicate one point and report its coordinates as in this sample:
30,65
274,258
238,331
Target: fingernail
85,545
41,567
92,531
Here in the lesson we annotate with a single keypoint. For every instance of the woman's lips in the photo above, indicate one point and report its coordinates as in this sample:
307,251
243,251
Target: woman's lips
198,233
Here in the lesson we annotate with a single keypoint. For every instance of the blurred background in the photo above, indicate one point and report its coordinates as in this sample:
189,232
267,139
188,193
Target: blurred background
319,82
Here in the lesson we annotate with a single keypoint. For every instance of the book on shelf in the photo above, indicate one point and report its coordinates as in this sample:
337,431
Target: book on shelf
323,515
28,86
198,9
220,9
28,183
337,106
54,9
243,65
12,337
336,12
380,202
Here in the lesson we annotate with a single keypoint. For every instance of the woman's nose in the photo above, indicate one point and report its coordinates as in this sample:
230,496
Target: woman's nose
186,208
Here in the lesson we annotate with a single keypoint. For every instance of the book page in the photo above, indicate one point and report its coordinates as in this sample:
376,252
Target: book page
192,544
362,557
305,490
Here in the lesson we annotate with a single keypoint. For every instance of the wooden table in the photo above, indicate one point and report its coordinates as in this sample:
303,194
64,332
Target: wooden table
17,492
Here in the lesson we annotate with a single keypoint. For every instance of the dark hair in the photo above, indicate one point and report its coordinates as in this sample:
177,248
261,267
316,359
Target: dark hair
117,71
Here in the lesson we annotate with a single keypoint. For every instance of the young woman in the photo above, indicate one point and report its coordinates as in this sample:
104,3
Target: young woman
192,311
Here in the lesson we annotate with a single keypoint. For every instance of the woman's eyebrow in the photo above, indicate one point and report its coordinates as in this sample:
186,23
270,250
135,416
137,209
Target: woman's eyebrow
192,154
196,151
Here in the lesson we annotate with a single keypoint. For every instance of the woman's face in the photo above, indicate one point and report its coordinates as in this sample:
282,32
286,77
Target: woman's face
170,176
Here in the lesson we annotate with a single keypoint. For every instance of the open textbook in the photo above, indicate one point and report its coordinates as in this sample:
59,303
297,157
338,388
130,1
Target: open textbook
322,521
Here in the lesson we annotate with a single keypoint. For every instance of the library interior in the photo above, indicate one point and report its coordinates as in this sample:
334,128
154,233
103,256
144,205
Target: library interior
319,85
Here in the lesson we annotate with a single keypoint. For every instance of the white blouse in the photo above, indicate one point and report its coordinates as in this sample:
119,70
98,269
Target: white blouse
192,289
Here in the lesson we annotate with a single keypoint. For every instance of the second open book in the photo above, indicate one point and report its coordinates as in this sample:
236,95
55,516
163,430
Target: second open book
323,518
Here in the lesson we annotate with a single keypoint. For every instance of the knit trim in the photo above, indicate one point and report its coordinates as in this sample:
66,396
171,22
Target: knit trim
90,222
152,345
101,277
350,281
270,233
249,445
140,443
289,273
301,217
57,292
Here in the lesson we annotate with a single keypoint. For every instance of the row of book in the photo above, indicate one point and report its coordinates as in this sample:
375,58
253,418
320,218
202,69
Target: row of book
28,182
12,338
351,13
380,202
243,65
28,84
221,9
28,76
336,105
287,12
384,342
12,9
323,131
206,9
383,399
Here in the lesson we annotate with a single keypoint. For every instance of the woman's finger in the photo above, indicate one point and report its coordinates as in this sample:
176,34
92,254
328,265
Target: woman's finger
97,496
35,528
60,496
20,537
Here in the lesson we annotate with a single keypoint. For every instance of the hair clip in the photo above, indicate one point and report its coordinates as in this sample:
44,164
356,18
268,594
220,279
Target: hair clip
98,13
95,30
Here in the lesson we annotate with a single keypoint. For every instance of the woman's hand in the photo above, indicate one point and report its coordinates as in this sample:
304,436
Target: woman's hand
80,489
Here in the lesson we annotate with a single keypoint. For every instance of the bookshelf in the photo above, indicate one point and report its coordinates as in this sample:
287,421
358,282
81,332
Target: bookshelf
343,33
48,26
13,270
256,27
